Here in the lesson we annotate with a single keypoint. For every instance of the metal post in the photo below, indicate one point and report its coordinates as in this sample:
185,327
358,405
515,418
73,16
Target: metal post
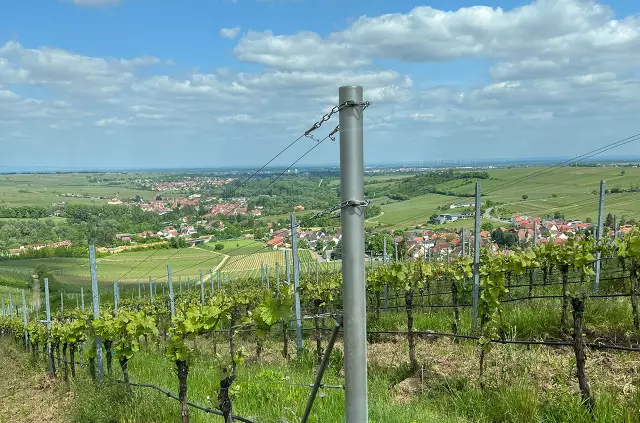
278,278
384,262
25,321
353,285
10,306
429,255
296,285
317,266
395,250
212,286
287,268
47,306
61,301
96,307
172,297
596,280
615,226
384,250
82,298
115,297
462,252
150,290
139,291
76,296
476,260
219,282
266,274
201,289
317,383
261,274
535,244
180,283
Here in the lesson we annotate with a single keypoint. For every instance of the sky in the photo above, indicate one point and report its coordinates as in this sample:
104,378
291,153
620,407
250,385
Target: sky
210,83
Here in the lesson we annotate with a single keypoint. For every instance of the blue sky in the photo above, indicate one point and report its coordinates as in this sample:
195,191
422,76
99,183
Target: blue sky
108,83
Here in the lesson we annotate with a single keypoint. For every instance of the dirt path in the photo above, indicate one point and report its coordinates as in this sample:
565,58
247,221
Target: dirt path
26,394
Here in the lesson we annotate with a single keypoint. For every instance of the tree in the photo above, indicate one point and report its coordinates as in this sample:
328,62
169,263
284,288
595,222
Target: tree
558,215
337,251
525,196
623,172
608,222
319,245
554,195
486,226
219,247
588,220
498,237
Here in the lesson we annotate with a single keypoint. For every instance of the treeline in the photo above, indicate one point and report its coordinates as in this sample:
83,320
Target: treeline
49,252
25,212
425,183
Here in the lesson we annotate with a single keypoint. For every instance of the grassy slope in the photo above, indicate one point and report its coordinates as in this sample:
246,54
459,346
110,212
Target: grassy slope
76,271
573,187
42,189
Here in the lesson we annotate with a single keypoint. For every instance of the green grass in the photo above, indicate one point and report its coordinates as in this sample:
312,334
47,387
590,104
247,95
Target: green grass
127,267
43,189
236,247
572,186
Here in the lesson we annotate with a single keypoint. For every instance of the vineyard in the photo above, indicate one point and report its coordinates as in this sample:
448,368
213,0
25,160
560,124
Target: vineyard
548,343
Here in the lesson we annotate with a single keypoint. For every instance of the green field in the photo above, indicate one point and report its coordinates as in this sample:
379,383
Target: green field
572,186
127,267
236,247
44,189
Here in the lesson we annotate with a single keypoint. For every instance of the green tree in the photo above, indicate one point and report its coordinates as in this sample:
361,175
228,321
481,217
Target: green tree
608,222
337,251
219,247
319,245
525,196
486,226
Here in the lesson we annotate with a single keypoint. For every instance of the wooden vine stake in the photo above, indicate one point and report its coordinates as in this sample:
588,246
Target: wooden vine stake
581,357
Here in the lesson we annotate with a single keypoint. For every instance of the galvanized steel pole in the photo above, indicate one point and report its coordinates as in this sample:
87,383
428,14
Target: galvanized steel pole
296,285
201,289
476,259
96,307
25,321
596,280
172,297
353,266
47,307
115,297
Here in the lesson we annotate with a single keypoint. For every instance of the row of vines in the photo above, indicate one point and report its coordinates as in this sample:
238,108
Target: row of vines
249,306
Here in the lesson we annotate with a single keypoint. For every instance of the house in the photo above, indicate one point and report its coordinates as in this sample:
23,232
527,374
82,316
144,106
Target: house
124,237
275,242
299,208
446,217
485,234
256,212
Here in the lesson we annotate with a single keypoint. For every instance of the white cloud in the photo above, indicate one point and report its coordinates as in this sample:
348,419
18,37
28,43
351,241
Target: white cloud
542,73
230,33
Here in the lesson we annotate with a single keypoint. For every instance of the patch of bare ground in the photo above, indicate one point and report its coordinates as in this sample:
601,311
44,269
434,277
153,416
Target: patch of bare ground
27,395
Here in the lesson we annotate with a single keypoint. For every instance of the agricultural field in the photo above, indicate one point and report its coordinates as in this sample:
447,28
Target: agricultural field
249,265
426,361
43,189
567,190
126,267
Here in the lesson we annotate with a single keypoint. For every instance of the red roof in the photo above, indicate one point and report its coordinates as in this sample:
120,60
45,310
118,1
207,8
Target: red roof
275,241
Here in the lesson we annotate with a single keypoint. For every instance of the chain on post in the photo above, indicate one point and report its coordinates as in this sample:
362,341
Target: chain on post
327,116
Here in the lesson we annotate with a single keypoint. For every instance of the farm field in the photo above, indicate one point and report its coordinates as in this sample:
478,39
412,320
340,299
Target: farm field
235,247
526,374
43,189
572,186
125,267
